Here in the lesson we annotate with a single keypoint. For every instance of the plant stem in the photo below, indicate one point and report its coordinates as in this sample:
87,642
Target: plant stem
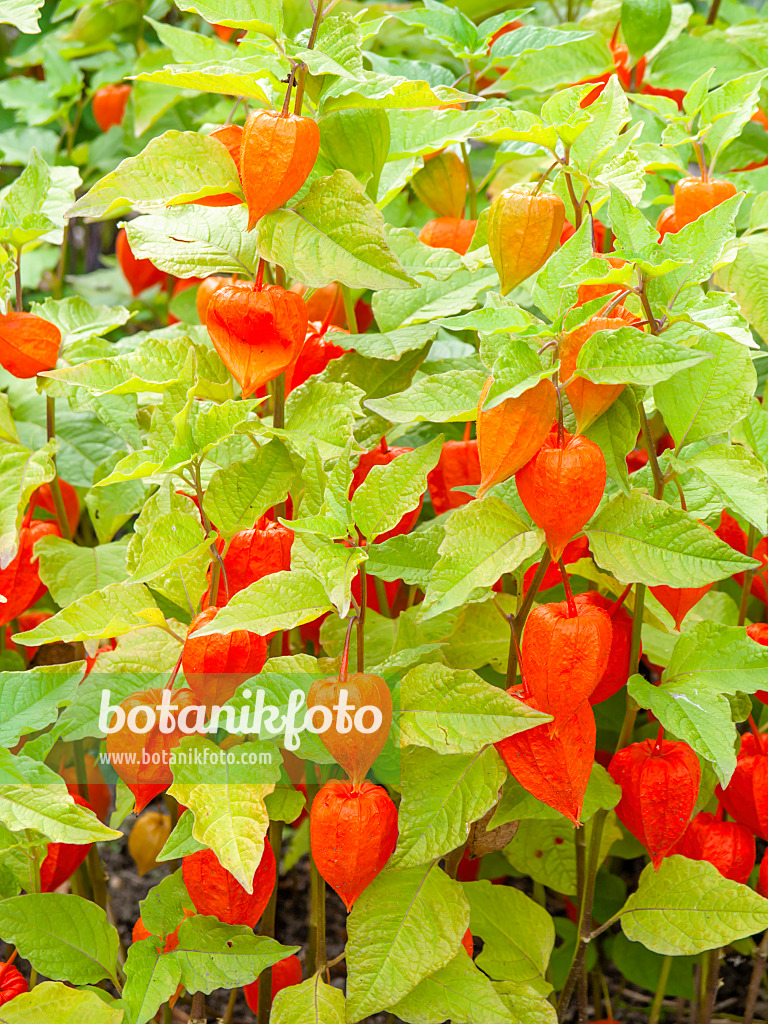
278,413
268,924
650,447
471,190
577,208
317,954
749,575
230,1012
713,12
713,979
572,611
310,46
216,559
661,990
758,970
517,622
58,501
19,305
57,286
381,595
197,1014
361,620
349,309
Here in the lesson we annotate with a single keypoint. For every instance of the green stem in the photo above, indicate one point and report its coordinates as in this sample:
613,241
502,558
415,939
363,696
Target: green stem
58,500
661,990
227,1019
268,924
650,447
318,957
749,575
381,594
19,303
361,620
278,413
471,190
349,309
216,559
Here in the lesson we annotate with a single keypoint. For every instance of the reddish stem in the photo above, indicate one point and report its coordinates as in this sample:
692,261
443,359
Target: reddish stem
384,446
619,601
526,691
327,320
468,431
719,812
259,277
572,609
344,669
172,680
659,738
757,734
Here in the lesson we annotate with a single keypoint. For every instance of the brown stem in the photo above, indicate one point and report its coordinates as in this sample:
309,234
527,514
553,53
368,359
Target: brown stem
758,970
285,112
544,177
652,322
197,1014
317,953
215,553
577,207
532,591
278,413
711,19
230,1012
310,46
650,447
713,980
344,667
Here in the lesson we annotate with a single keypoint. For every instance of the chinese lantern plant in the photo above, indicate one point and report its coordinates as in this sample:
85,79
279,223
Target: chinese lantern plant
406,584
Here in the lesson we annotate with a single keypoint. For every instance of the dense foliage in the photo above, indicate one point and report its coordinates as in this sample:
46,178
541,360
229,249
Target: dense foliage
416,353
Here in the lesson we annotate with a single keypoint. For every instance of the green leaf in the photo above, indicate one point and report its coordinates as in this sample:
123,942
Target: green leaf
356,141
405,926
746,278
615,432
262,15
517,803
642,540
687,906
518,934
51,1002
644,23
21,472
409,557
711,397
280,601
393,344
333,565
226,800
740,479
389,492
70,571
335,233
238,495
483,540
151,979
545,850
442,794
114,611
62,936
177,167
78,320
321,413
440,398
22,14
548,291
311,1002
214,955
453,711
629,356
196,241
181,842
30,700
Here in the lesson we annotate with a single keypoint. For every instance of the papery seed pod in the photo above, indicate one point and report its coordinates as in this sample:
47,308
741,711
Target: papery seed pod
666,223
215,665
659,782
468,943
694,197
276,155
285,973
253,554
758,632
590,292
28,344
258,334
618,669
325,305
510,434
205,290
141,759
139,273
231,137
745,797
523,231
109,103
12,983
678,601
352,748
762,878
217,893
20,582
553,764
598,232
319,349
353,830
63,859
561,487
448,233
383,455
726,844
148,836
565,656
588,400
441,184
99,795
458,466
42,498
